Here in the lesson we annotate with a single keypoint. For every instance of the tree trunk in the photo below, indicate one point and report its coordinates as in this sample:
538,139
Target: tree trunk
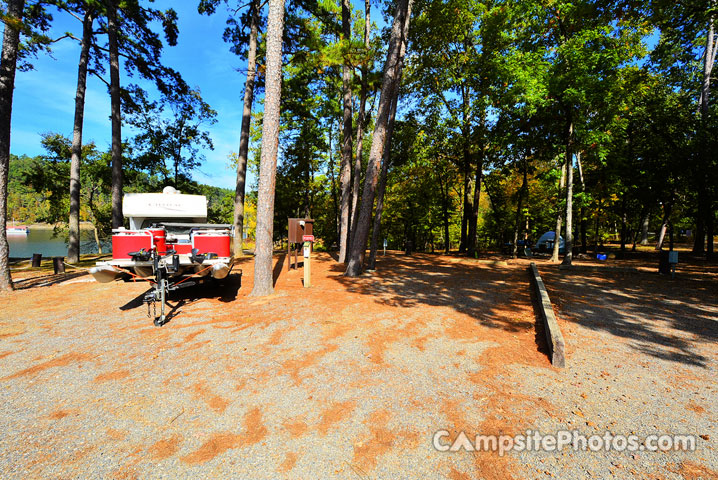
333,179
389,89
474,217
381,189
661,236
582,211
360,122
345,177
709,54
8,64
664,227
519,208
624,224
710,222
73,249
466,154
597,233
263,280
445,212
568,249
97,240
240,187
700,233
117,219
559,216
644,228
465,210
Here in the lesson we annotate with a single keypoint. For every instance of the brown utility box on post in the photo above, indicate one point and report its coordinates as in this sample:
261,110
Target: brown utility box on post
298,227
297,230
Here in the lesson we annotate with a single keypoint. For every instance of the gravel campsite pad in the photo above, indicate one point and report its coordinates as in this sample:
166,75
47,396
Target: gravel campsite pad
352,378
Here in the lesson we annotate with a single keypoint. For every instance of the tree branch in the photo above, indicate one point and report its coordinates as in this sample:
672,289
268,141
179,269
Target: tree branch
236,10
101,79
67,35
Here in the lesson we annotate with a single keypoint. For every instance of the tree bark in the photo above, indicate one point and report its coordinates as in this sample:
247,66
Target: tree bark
390,88
240,187
345,176
644,228
117,219
8,66
597,232
559,216
381,189
700,232
708,61
445,213
664,227
73,249
519,208
568,250
624,224
583,227
704,199
466,156
465,209
360,122
332,177
584,231
710,222
474,216
263,280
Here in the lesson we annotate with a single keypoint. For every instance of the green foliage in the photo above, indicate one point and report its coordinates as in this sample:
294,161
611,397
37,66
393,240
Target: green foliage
171,130
33,28
37,190
491,83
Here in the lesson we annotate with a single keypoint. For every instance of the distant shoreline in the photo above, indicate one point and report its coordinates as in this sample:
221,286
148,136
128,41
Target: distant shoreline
48,226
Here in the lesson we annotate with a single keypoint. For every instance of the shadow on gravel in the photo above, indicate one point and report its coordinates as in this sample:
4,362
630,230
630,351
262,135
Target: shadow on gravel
496,297
278,267
663,317
46,280
224,290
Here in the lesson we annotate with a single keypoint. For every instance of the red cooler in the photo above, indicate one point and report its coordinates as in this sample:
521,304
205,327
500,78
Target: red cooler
212,243
127,241
158,238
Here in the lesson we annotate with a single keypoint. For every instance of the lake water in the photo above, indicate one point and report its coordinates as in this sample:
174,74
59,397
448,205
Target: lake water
44,241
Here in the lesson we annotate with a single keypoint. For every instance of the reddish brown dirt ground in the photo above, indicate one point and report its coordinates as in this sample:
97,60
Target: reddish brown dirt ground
347,379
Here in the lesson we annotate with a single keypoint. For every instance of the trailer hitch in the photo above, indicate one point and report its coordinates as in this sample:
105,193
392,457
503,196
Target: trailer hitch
163,266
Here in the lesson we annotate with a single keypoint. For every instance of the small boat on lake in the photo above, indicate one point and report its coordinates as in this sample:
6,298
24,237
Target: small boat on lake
17,230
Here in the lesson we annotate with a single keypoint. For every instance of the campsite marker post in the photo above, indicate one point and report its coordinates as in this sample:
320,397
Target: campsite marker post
308,239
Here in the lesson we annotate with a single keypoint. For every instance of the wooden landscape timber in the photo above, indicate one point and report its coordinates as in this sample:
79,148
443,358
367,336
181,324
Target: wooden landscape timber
557,348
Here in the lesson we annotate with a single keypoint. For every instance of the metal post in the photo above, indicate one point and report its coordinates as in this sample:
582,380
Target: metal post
163,286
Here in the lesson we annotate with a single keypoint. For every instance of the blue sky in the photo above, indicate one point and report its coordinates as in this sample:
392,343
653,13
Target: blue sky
44,98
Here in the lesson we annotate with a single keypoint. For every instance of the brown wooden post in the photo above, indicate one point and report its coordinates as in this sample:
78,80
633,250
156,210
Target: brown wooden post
36,260
58,264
